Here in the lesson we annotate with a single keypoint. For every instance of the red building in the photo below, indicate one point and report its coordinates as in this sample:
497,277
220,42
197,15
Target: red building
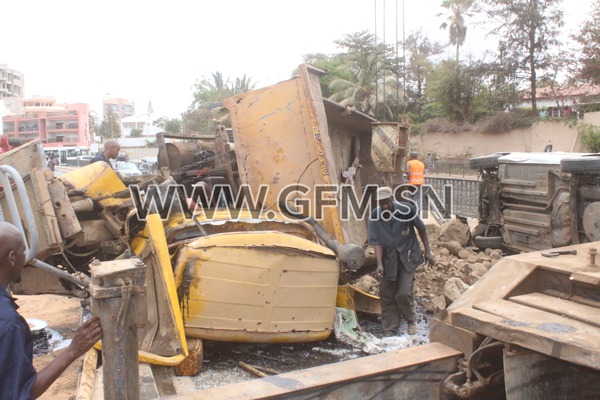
56,125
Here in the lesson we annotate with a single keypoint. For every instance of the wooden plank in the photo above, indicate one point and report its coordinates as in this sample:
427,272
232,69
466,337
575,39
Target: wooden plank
536,330
580,312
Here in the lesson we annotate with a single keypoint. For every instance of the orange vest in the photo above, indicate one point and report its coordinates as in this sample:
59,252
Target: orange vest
417,172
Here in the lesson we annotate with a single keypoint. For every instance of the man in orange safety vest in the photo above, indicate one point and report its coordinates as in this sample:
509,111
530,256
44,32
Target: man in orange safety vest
415,173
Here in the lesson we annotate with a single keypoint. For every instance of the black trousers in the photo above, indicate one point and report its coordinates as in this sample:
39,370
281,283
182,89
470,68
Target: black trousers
397,299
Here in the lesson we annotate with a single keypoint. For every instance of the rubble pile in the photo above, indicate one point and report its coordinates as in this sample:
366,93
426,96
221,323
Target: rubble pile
458,265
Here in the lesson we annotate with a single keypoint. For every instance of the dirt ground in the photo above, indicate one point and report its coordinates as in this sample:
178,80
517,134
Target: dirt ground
63,316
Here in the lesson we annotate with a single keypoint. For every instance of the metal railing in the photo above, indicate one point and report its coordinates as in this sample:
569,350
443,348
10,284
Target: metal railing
31,237
451,168
8,173
465,194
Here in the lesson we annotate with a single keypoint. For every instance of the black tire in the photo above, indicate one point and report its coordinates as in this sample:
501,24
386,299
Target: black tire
585,164
490,161
488,242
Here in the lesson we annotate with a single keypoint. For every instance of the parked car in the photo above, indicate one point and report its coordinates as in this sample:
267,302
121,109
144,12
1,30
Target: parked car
537,201
85,160
126,169
149,165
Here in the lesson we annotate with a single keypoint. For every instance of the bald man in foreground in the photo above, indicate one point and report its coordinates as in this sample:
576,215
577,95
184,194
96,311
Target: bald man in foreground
111,151
18,379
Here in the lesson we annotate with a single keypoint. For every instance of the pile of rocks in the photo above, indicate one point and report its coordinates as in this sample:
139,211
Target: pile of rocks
458,265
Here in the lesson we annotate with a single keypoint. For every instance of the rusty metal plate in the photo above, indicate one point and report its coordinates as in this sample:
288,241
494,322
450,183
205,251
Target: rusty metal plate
384,147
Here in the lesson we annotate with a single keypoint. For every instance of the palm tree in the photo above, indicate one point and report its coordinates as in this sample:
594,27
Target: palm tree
242,85
457,30
363,91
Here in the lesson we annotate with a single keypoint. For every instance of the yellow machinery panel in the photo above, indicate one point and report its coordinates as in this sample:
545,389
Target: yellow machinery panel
257,287
281,138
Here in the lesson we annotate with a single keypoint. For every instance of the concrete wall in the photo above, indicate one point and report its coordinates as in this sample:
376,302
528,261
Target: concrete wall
473,144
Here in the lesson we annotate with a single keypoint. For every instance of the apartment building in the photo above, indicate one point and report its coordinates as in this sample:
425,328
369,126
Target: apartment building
120,107
57,125
12,84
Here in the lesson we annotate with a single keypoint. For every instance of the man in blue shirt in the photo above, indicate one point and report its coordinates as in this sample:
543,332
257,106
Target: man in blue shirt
18,379
111,151
398,252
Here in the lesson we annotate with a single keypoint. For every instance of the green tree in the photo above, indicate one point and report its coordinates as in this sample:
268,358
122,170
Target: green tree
589,54
590,137
459,90
207,101
457,28
529,30
331,65
210,93
171,125
367,77
420,54
110,127
136,132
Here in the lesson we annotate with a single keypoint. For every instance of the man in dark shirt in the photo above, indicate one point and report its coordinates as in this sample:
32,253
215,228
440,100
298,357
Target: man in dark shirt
18,378
111,151
398,252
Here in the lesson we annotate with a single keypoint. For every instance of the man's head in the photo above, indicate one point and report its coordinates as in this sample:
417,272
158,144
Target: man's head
414,155
385,198
51,156
12,253
111,148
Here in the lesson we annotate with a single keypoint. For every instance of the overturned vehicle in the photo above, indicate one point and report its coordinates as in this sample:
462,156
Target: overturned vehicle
287,268
536,201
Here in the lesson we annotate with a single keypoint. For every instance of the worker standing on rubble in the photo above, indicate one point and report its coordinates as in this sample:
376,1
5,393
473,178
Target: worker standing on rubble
111,151
18,379
398,252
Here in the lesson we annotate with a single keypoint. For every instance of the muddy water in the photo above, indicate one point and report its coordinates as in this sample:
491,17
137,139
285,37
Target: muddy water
221,360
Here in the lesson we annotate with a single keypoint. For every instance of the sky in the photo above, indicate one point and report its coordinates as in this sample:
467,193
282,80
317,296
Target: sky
150,51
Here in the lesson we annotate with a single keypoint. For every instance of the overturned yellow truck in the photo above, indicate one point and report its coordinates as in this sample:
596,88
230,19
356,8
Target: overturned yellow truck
228,271
290,152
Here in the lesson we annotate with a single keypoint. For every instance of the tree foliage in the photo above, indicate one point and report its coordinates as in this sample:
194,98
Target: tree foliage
529,30
171,125
136,132
589,39
420,62
208,97
209,93
457,28
110,128
590,137
454,87
368,76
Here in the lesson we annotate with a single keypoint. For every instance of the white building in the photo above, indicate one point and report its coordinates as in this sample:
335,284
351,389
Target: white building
142,122
561,101
12,89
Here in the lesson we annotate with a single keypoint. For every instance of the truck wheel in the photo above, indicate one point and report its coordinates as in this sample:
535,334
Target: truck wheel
490,161
589,164
488,242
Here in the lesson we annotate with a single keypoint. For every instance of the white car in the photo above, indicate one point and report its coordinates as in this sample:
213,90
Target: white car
126,169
